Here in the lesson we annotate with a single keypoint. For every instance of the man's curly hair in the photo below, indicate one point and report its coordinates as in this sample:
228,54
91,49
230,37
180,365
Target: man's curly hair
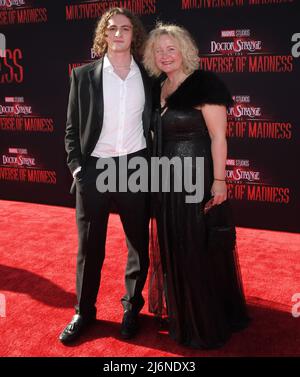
138,33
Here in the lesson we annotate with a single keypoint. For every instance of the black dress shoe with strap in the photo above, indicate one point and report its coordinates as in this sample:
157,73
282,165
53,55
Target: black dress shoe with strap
75,328
129,326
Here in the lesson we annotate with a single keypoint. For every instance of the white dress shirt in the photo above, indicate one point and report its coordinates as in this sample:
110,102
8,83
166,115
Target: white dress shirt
124,101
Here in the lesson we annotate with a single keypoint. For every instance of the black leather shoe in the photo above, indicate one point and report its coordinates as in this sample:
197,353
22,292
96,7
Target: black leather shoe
129,327
74,329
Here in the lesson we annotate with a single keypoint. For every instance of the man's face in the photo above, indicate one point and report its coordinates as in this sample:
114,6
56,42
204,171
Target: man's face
119,33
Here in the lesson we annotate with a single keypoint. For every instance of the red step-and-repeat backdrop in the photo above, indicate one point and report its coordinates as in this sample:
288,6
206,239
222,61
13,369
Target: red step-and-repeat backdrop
254,46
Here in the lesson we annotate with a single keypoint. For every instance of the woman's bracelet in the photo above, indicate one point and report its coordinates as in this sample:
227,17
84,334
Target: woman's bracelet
216,179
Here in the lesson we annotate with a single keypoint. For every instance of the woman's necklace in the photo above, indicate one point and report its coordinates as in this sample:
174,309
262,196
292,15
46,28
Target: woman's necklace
167,89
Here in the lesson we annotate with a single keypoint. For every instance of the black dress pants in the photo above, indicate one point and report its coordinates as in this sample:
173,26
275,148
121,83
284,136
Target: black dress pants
92,212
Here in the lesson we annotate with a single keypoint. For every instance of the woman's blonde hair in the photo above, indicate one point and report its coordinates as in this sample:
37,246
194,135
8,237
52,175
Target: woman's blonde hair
186,44
138,33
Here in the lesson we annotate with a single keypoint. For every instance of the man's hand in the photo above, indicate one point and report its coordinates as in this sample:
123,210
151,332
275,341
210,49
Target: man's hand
76,171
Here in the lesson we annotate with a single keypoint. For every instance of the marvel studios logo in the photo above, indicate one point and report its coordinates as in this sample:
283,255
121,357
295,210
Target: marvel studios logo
235,33
232,162
17,150
241,99
14,99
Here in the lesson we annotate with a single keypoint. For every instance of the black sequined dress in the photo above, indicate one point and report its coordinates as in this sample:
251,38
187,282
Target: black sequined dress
194,268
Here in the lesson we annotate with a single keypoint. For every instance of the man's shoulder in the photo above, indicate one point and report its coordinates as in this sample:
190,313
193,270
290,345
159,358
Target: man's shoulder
85,68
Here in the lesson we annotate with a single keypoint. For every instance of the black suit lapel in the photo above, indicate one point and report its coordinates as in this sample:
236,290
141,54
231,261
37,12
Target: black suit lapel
148,100
96,78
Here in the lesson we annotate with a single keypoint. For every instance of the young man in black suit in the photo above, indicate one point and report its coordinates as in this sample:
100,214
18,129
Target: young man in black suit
109,117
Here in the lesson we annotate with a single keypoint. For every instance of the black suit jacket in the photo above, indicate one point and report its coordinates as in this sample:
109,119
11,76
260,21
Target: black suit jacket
85,113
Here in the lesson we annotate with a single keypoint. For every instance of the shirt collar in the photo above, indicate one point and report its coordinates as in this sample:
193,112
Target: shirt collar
108,66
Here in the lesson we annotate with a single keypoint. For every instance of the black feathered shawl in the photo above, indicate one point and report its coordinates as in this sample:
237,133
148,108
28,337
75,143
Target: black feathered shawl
200,88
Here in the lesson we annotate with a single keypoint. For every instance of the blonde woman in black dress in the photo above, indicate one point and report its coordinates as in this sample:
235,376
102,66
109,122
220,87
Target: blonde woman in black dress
200,278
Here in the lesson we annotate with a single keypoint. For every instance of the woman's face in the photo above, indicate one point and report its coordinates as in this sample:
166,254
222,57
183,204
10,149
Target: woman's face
168,57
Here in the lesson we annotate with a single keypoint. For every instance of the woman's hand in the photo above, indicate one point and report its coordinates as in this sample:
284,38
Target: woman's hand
219,192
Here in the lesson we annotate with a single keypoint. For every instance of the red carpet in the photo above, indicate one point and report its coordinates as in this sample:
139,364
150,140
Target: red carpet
37,278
